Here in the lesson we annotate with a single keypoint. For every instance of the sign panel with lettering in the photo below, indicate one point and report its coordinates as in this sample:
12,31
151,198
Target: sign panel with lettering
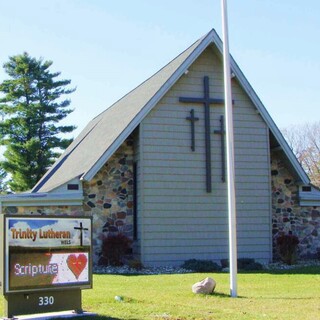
47,253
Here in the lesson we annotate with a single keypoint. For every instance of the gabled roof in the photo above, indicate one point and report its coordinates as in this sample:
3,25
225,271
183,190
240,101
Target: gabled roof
105,133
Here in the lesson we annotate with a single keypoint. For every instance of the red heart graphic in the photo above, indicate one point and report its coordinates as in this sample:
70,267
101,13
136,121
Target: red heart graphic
77,263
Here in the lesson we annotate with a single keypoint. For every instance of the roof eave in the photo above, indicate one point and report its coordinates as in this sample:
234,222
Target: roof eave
42,199
209,38
267,118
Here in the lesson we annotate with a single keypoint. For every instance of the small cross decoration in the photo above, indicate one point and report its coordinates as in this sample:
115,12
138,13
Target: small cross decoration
192,119
222,134
81,228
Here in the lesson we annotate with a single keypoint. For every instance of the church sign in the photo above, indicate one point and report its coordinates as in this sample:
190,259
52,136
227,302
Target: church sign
46,261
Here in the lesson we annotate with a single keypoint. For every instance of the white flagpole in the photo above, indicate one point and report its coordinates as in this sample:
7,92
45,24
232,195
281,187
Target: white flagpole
230,155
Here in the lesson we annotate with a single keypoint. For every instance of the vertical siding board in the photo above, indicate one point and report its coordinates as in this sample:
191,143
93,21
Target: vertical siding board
137,160
175,202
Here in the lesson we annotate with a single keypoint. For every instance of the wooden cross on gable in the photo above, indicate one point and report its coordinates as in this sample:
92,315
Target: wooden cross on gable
193,119
222,132
206,101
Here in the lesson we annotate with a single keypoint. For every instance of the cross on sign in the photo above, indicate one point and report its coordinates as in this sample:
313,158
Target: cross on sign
81,228
206,101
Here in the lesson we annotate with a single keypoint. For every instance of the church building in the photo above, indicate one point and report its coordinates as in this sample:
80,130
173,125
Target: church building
153,167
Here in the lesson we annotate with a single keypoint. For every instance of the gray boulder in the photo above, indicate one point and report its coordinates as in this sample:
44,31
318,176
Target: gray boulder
206,286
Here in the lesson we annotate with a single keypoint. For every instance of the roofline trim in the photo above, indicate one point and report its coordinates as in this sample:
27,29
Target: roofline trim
42,199
264,113
204,42
309,202
267,118
211,37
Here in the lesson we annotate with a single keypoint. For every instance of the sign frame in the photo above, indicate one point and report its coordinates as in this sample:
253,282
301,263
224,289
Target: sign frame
60,277
7,288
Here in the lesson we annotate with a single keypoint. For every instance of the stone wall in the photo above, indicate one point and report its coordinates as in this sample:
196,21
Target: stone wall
108,197
288,216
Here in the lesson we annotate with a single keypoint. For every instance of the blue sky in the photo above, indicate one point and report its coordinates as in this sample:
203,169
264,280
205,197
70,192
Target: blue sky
108,47
32,223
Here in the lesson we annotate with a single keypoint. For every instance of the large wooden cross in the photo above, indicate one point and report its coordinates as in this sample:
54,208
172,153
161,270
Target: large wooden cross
206,101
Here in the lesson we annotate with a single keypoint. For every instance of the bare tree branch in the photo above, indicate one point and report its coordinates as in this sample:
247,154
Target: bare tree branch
304,140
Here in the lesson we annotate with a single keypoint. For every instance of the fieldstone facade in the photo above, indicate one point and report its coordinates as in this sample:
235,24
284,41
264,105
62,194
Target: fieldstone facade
108,197
288,216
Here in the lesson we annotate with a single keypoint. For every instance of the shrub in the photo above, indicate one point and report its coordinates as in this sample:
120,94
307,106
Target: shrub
244,264
201,265
253,266
224,263
135,264
249,264
114,248
287,245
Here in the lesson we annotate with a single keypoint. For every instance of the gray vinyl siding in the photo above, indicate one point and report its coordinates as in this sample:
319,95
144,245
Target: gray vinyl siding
180,219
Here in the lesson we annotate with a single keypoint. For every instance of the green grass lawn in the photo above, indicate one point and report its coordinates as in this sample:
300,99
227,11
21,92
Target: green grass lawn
277,295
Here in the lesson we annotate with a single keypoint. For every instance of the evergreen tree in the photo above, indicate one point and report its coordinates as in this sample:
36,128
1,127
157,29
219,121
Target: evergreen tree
32,106
3,183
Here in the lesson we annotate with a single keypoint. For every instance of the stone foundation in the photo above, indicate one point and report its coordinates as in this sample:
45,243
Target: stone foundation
108,197
288,216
